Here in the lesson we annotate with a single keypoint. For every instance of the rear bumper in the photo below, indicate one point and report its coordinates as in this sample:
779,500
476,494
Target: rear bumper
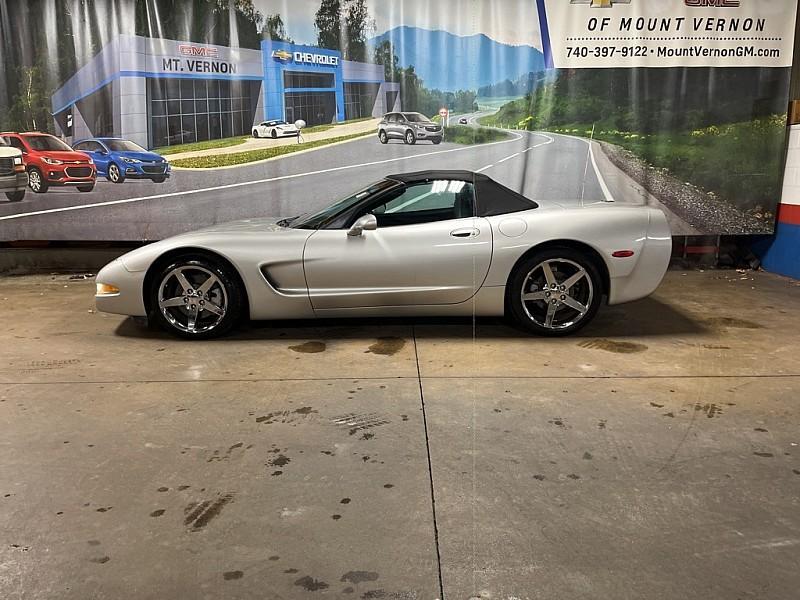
14,182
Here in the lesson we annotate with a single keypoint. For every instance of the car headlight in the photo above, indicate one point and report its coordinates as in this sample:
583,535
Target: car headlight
52,161
106,289
131,160
91,162
17,160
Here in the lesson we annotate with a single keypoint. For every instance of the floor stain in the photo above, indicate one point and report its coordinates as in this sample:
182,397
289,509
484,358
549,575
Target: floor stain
710,410
101,560
386,346
359,576
310,584
309,348
357,422
539,477
613,346
587,456
279,461
601,424
558,422
229,575
198,515
761,430
286,416
764,454
157,513
731,323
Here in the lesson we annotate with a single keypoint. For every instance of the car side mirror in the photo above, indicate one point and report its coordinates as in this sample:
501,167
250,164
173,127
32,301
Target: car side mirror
366,223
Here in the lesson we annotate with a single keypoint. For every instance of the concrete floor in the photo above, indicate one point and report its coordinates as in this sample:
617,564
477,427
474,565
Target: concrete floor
653,457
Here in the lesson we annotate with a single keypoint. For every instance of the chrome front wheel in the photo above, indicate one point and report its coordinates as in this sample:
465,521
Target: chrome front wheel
196,298
556,292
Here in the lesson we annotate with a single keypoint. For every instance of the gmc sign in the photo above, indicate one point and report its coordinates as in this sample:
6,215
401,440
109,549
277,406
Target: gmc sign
714,3
189,50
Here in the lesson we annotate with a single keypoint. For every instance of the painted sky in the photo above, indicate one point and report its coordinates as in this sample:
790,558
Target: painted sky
512,22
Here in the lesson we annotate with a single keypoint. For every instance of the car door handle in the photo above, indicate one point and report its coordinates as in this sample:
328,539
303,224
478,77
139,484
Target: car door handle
466,232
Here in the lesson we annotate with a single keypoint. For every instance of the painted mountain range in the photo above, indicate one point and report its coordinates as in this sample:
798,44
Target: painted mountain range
450,62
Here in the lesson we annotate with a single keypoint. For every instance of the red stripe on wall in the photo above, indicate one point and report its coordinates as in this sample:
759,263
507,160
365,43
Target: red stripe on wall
789,213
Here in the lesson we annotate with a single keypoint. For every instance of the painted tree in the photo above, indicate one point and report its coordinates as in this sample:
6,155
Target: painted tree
327,22
275,30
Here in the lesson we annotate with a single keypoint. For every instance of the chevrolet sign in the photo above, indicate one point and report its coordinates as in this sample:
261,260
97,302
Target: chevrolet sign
282,55
311,58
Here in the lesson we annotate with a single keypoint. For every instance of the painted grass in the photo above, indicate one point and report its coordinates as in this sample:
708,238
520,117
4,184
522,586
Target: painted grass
462,134
206,145
241,158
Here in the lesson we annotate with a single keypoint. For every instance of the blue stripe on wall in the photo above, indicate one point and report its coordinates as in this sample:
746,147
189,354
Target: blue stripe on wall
783,254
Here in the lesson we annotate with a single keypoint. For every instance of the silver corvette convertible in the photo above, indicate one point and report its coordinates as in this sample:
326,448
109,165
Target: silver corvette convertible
431,243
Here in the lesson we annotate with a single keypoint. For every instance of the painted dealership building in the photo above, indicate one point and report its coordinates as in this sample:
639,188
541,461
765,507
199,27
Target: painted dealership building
159,92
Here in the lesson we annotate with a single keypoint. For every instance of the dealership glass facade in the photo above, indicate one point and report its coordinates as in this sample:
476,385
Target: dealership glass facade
359,98
158,92
193,110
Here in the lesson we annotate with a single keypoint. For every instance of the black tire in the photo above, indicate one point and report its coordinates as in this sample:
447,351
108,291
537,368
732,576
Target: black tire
383,137
437,141
86,188
255,133
274,134
114,174
159,179
36,181
15,196
410,138
529,277
227,293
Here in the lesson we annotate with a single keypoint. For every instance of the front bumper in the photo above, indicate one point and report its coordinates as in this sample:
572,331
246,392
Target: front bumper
81,174
13,182
147,171
129,300
424,134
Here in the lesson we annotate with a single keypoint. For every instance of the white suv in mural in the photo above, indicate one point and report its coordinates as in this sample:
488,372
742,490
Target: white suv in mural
13,178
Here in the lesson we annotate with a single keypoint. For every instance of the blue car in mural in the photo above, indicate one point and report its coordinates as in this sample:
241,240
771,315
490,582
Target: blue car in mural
118,160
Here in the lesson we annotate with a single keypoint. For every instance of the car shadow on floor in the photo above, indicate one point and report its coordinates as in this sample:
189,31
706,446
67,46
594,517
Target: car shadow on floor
645,318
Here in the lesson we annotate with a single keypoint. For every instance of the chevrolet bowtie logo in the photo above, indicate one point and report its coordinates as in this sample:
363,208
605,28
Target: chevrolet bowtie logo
600,3
282,55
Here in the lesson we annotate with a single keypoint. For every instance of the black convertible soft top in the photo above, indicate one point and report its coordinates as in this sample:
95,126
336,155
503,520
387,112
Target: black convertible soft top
491,198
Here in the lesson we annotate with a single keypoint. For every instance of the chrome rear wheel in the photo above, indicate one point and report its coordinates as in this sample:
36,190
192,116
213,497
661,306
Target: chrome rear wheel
555,292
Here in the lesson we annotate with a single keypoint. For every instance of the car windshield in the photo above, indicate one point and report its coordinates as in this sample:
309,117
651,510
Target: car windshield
416,118
273,123
46,142
123,146
315,220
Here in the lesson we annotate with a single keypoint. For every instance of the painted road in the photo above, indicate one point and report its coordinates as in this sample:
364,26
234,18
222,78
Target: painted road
544,167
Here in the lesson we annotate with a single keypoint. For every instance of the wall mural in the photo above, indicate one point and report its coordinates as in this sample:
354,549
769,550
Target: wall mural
169,115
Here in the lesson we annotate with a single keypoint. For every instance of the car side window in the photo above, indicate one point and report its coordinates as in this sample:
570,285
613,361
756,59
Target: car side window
13,141
427,202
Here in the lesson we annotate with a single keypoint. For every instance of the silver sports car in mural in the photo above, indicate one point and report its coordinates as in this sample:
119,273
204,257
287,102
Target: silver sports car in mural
429,243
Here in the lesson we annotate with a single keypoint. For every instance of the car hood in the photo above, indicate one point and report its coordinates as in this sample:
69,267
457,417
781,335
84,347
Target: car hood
145,156
64,155
261,224
9,152
219,238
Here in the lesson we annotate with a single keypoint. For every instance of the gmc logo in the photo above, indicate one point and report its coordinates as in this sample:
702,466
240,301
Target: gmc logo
187,50
714,3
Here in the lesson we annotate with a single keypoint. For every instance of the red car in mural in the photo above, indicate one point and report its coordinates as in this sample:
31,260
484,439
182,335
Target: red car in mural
50,162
